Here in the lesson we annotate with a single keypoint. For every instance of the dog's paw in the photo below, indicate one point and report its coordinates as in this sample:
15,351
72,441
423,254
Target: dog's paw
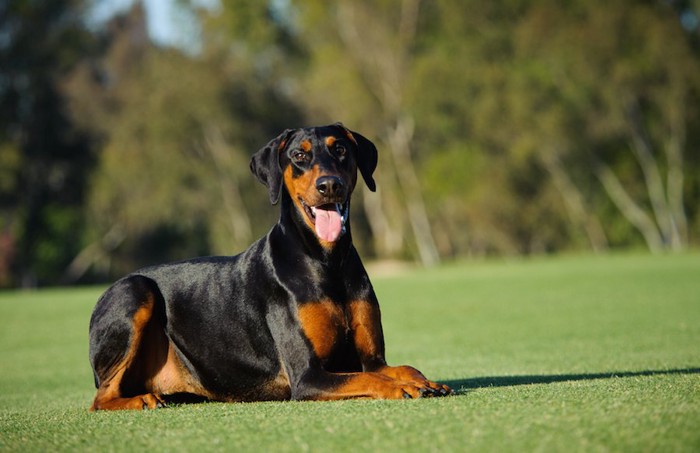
152,401
413,377
433,389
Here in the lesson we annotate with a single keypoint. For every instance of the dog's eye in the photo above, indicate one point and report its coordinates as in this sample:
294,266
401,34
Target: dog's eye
300,157
340,151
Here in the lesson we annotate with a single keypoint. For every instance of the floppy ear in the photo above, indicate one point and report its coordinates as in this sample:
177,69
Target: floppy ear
265,164
366,156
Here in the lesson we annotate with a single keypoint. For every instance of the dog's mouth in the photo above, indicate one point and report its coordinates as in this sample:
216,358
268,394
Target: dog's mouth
328,219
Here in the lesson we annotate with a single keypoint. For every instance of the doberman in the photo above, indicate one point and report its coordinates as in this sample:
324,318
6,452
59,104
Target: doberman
292,317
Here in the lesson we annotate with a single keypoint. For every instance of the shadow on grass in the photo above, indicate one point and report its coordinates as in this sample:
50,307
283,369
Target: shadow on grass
462,386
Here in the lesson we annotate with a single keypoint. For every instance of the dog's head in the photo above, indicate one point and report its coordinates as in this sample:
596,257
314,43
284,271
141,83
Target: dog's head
317,167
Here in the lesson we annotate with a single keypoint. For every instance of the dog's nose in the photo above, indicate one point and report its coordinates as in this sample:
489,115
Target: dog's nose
330,186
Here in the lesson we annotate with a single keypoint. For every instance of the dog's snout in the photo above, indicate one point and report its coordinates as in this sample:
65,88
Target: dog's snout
330,186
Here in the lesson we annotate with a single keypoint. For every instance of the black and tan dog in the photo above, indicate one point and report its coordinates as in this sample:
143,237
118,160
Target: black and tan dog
294,316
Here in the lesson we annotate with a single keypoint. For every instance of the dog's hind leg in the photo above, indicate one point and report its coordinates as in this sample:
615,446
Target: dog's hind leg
128,345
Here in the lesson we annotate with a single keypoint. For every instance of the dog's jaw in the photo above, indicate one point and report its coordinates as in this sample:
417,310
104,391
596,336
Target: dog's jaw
328,220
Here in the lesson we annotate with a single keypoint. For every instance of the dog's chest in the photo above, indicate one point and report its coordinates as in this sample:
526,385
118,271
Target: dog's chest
326,326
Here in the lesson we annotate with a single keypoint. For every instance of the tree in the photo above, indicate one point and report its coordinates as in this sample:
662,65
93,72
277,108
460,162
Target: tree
633,84
585,112
44,157
177,134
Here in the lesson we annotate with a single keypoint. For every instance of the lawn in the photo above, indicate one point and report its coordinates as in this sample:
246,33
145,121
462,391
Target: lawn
546,354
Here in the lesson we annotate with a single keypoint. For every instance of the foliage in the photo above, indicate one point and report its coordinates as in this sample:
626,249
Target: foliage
567,353
174,164
44,159
516,127
585,108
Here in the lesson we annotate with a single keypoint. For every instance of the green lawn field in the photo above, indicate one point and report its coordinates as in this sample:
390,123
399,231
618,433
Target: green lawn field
547,354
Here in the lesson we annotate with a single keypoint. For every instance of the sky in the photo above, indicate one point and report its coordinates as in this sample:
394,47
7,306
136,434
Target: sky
167,25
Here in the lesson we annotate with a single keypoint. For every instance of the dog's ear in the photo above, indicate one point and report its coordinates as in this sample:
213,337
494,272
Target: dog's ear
265,164
366,156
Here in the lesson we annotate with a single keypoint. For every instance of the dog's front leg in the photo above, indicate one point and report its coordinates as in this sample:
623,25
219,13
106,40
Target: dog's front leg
365,321
308,380
319,384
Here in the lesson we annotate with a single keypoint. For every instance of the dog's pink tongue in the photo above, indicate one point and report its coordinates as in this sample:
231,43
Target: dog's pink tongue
328,223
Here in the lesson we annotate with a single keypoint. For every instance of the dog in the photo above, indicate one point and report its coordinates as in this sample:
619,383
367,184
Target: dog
292,317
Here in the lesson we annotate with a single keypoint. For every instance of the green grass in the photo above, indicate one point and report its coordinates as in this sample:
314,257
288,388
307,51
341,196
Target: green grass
556,354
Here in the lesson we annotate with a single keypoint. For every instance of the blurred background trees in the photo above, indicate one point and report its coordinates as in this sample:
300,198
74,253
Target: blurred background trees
504,128
44,159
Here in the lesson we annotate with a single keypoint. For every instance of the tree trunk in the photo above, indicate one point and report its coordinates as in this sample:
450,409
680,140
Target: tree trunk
223,157
632,212
642,150
574,203
96,254
387,236
674,157
399,142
